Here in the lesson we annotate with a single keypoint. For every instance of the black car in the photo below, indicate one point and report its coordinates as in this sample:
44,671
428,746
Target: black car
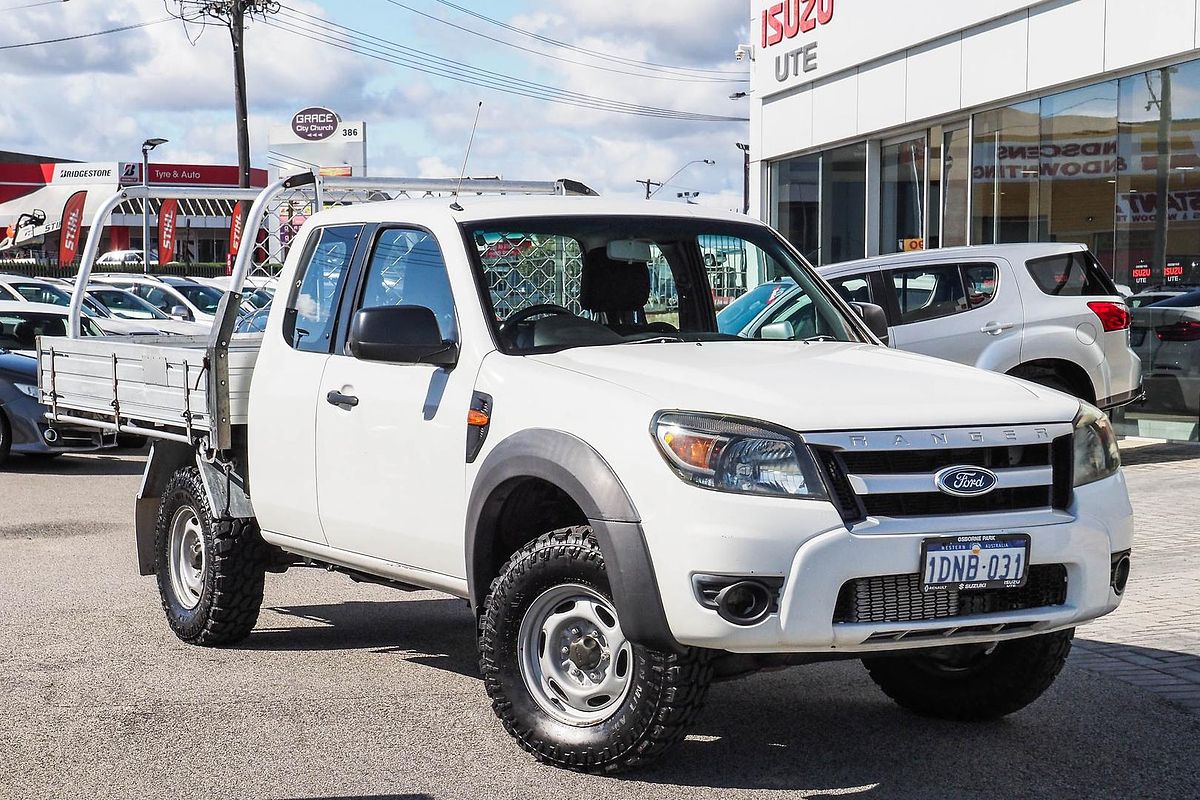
23,425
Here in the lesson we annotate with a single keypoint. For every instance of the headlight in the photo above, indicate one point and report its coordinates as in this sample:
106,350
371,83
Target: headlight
27,389
732,455
1096,453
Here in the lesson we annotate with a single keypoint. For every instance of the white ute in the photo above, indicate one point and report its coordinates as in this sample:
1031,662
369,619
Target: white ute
524,401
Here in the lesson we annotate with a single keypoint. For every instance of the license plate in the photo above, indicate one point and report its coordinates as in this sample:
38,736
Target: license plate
967,563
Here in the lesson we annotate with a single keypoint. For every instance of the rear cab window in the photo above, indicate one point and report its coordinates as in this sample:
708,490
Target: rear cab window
308,323
1076,274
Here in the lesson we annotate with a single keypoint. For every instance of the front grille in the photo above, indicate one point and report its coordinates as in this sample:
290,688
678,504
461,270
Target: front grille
842,466
840,490
894,462
898,598
933,504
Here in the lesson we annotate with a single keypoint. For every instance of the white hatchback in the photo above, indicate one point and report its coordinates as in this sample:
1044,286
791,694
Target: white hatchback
1045,312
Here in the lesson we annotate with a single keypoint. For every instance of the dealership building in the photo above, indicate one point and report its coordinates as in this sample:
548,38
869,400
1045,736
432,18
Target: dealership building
878,128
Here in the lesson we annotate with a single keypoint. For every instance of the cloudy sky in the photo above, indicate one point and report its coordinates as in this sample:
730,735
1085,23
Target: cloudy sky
98,98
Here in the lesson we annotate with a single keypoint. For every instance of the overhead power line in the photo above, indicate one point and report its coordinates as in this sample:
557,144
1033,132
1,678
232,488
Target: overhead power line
35,5
134,26
653,74
578,49
345,38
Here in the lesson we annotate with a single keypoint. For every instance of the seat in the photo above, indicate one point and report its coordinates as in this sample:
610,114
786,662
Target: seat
619,290
26,334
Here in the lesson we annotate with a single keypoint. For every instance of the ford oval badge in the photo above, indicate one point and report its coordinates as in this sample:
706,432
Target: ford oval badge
965,481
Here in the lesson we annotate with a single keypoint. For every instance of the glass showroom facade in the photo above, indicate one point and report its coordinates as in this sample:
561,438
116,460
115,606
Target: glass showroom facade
1114,165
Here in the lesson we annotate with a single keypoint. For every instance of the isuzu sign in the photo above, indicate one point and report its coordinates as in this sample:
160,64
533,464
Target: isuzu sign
787,20
799,41
315,124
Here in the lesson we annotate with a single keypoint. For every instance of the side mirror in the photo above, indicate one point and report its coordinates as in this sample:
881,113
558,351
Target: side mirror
875,317
180,312
778,331
400,335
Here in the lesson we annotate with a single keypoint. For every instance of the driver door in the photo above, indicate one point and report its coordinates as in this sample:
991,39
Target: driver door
391,438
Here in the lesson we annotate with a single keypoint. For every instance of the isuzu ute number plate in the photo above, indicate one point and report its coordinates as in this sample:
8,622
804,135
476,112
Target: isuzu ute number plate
974,562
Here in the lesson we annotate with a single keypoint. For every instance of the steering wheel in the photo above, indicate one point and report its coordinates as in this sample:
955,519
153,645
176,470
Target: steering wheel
509,326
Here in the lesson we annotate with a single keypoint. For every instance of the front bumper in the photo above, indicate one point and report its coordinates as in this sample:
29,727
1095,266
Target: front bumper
815,567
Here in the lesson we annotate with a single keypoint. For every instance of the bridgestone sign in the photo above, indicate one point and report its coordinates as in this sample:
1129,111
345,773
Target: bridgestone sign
315,124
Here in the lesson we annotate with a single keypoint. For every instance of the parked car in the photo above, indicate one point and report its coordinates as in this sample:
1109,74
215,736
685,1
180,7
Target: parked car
254,322
256,294
1166,334
632,507
1045,312
1149,298
23,426
125,258
36,290
177,297
126,305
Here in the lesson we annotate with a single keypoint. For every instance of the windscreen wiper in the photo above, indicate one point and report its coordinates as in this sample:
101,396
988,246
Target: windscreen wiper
655,340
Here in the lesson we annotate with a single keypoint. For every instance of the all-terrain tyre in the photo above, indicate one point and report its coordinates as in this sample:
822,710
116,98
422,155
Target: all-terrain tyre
973,684
210,570
562,678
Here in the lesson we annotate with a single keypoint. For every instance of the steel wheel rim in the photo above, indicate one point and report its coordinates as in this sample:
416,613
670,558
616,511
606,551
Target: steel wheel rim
574,658
187,557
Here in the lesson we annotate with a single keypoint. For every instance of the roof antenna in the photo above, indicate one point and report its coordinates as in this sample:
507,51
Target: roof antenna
455,206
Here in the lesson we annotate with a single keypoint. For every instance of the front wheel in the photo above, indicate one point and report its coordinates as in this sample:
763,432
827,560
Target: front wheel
210,570
563,679
973,682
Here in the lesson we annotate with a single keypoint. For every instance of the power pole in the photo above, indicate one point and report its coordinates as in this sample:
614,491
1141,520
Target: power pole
650,185
233,14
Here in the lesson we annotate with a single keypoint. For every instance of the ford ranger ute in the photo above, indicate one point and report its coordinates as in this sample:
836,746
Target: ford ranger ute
519,396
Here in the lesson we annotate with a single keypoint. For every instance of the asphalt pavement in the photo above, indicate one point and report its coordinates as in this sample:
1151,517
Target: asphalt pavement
348,690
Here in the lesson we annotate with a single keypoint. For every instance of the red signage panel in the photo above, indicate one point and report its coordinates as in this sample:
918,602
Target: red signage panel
166,231
71,227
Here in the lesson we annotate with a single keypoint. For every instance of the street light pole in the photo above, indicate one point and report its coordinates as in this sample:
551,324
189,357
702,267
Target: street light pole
745,148
147,146
665,183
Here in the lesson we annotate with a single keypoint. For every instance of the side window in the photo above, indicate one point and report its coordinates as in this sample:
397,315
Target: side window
1071,275
853,288
407,269
980,281
929,293
154,296
312,308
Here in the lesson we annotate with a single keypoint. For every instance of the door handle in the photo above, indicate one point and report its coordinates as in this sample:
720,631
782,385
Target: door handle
336,398
997,328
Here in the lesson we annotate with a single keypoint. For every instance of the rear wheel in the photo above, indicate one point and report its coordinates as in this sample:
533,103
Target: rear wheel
563,678
974,682
210,571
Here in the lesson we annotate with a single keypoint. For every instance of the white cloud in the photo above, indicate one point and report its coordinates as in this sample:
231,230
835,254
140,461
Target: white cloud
96,99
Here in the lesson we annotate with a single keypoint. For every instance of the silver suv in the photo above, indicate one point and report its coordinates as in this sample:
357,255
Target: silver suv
1045,312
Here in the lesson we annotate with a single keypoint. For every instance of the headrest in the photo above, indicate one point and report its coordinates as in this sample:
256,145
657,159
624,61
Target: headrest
613,286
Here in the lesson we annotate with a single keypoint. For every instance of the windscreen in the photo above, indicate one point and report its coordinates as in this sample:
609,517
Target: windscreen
559,282
204,298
